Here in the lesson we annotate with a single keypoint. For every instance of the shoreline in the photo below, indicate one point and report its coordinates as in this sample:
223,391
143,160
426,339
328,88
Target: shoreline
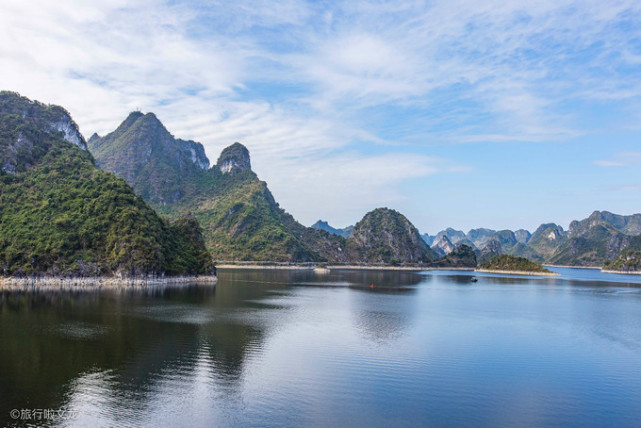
96,283
517,272
622,272
407,268
572,267
341,267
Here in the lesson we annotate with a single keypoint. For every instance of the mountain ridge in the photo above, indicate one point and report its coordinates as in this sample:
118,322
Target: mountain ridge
62,216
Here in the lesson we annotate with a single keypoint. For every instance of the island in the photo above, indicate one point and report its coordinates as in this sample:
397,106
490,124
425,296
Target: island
512,265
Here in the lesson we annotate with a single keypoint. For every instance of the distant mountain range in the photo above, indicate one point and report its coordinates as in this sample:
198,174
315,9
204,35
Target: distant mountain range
593,241
323,225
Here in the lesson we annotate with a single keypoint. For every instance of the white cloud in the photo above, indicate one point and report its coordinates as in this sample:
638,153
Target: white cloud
608,163
342,188
621,159
297,81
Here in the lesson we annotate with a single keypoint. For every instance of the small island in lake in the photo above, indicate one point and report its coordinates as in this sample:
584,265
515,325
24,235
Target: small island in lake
508,264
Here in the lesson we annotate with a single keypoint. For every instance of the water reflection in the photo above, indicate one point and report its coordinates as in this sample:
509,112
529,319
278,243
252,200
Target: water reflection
379,319
351,347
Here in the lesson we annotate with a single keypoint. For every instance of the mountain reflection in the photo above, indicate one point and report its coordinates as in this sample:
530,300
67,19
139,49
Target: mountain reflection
383,320
124,344
344,348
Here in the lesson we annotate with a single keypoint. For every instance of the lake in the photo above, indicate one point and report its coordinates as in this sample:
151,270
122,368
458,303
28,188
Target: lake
349,348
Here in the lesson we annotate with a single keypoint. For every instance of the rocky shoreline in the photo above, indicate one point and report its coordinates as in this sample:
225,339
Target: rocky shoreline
92,283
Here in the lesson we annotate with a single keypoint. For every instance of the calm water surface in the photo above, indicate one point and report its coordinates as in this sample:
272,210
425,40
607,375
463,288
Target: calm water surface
287,348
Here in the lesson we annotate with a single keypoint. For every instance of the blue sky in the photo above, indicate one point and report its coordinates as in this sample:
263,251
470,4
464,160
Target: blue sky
456,113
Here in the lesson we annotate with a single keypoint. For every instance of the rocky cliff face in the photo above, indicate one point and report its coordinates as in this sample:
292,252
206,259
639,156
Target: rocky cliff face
491,250
20,148
385,236
234,159
454,236
195,151
161,168
442,246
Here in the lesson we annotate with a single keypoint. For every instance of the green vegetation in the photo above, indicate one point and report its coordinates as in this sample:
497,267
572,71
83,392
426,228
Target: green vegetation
158,166
60,215
236,155
240,218
512,263
385,236
241,221
628,261
592,241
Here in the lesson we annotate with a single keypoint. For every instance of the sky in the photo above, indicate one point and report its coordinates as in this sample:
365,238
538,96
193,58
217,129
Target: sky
456,113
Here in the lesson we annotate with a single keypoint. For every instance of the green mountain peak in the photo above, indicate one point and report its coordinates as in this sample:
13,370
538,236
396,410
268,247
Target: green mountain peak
233,159
60,215
387,236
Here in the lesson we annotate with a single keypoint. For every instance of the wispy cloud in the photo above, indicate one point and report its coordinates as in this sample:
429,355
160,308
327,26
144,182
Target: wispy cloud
353,85
621,159
608,163
629,188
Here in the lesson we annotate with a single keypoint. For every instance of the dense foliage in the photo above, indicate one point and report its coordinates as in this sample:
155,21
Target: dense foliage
512,263
385,236
241,221
61,215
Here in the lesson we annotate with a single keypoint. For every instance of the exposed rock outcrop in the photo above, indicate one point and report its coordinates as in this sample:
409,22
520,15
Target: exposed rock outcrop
442,246
234,159
160,168
23,146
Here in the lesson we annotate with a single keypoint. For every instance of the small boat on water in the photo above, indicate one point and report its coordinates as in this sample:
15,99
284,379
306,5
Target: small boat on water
321,270
474,279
